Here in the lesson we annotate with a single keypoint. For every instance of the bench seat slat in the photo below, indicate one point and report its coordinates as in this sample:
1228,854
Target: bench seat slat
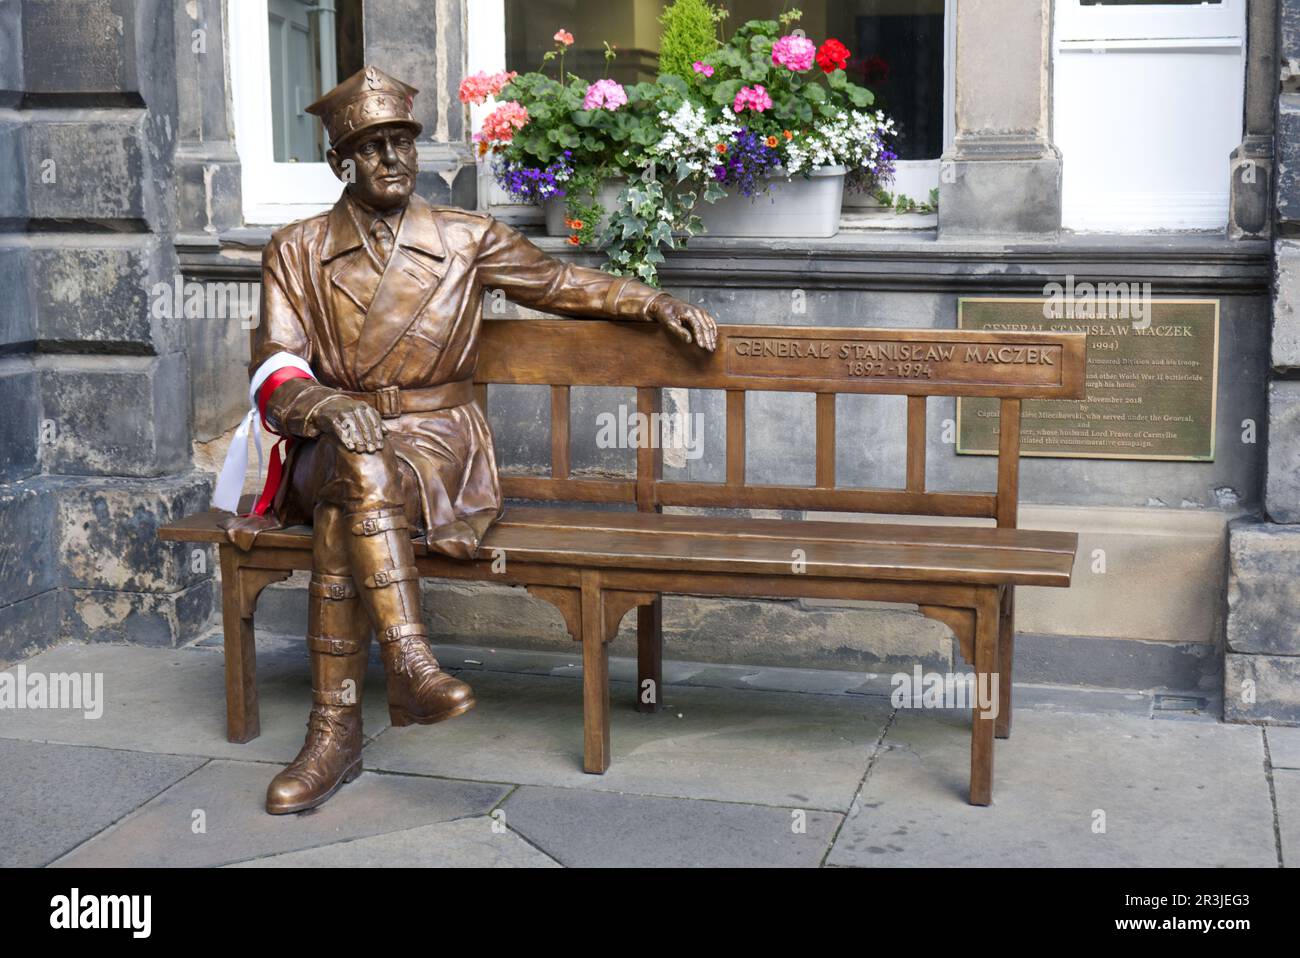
774,557
787,530
896,552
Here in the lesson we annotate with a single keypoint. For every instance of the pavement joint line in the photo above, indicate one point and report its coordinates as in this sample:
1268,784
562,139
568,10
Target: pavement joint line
608,791
528,839
131,813
345,841
876,752
1272,797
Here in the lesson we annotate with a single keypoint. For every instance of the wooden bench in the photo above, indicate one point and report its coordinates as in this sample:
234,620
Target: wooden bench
596,565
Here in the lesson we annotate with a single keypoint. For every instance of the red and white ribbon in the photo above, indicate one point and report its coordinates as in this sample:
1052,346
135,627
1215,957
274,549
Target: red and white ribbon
271,374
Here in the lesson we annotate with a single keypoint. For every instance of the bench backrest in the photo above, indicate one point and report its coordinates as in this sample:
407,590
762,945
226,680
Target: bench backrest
825,361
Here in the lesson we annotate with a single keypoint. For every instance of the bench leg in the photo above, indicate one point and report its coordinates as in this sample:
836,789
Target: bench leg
595,679
650,655
243,723
983,722
1006,649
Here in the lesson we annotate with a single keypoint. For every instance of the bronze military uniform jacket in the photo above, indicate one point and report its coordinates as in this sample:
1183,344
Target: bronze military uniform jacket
329,298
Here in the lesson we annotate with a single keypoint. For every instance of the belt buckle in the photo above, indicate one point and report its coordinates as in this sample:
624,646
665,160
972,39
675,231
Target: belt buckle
388,402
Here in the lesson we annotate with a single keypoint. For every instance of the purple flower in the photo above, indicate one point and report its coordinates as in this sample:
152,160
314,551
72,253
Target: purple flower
747,163
530,184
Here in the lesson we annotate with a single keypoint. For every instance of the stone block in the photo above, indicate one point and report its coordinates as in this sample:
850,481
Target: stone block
28,563
17,324
30,625
94,299
208,194
402,36
20,431
218,357
1286,304
1288,157
1282,485
83,170
1264,589
80,47
1261,689
107,530
1007,196
164,620
11,54
117,416
15,203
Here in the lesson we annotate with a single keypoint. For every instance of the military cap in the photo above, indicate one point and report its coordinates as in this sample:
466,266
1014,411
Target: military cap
370,97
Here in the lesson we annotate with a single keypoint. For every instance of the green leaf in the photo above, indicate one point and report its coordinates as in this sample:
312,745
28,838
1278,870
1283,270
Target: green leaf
724,94
860,96
814,93
674,83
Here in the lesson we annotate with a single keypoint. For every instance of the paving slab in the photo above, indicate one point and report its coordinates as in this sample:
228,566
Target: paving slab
1173,794
1286,789
765,748
174,701
227,797
54,797
1283,746
466,843
588,829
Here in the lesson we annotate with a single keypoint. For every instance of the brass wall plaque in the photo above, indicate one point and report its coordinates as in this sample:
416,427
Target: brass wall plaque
1152,379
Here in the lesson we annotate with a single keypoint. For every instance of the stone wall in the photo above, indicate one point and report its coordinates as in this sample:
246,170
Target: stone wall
1262,664
96,437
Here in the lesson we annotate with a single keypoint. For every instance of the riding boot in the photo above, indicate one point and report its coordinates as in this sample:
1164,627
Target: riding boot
383,561
338,639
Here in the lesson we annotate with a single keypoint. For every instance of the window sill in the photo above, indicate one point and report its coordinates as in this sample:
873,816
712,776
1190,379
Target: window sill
907,258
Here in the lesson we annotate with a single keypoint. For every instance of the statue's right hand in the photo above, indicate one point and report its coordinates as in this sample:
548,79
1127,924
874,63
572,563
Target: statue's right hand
356,424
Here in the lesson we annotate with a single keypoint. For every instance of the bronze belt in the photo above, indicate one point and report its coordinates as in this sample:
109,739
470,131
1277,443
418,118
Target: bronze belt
391,402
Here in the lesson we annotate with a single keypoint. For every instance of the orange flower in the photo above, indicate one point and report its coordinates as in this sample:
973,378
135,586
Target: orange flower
576,225
721,148
789,135
574,240
771,142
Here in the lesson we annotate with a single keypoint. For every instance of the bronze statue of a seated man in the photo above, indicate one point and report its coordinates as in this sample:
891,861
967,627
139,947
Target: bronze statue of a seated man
364,359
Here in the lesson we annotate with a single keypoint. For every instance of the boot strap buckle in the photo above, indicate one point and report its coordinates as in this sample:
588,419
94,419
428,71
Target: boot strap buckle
387,577
331,645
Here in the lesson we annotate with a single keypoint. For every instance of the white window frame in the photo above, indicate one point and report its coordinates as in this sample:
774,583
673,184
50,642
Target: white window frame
1176,30
273,193
486,44
1156,21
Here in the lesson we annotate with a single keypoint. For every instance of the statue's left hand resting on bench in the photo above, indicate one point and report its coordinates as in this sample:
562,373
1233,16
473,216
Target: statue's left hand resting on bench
364,361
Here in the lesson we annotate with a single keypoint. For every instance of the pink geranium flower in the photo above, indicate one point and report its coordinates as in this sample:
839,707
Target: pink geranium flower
604,95
499,126
794,53
563,36
699,66
753,98
477,87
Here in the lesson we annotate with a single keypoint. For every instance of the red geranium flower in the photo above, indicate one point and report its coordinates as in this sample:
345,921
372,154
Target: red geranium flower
832,56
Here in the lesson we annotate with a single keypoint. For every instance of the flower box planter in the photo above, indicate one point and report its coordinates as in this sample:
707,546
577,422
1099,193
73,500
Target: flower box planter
799,208
556,214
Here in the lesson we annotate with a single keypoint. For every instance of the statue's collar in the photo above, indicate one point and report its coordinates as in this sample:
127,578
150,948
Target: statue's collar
419,228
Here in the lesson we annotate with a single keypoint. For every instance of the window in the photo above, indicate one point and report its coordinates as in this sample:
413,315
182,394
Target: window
901,51
283,55
1147,109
